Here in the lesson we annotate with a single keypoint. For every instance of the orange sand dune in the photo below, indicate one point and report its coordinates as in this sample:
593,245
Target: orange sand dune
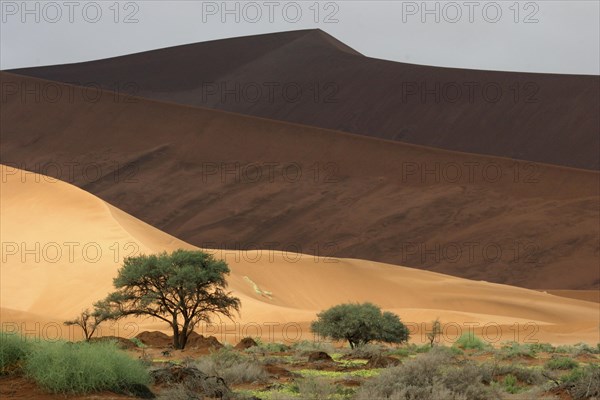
43,281
221,180
587,295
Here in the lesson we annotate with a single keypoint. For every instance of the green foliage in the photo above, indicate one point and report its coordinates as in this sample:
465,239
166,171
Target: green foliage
314,388
368,351
267,347
62,367
424,348
583,348
561,363
431,376
511,350
468,341
352,363
392,330
577,349
435,332
510,384
528,376
184,284
306,346
583,383
359,373
402,352
138,342
13,349
360,324
89,321
455,351
414,348
542,348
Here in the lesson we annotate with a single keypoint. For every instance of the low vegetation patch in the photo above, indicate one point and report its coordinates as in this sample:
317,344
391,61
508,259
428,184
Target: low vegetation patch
307,346
431,376
138,343
468,341
583,383
13,349
512,350
63,367
577,349
561,363
359,373
233,366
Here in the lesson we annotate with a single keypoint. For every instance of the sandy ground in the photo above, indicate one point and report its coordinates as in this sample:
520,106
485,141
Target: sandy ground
62,246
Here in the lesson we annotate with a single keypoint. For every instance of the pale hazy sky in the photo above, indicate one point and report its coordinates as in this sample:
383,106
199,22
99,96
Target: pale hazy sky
535,36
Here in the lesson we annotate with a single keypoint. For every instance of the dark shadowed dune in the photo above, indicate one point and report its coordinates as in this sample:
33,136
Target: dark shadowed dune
310,78
216,179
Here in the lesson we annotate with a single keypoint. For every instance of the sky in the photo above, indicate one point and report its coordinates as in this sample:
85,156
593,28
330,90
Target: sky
529,36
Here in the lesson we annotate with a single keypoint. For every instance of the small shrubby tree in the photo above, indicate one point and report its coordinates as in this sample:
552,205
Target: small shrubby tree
89,321
435,332
182,288
360,324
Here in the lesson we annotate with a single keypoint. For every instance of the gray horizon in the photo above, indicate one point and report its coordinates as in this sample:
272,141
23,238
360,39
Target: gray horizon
560,37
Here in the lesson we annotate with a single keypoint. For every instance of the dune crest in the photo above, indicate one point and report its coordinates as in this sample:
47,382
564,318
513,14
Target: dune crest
299,285
310,78
221,180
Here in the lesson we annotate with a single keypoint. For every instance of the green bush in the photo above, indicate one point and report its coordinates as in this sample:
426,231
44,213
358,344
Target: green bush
360,324
577,349
528,376
423,348
561,363
542,348
513,350
13,349
468,341
585,348
510,384
454,350
62,367
468,379
267,347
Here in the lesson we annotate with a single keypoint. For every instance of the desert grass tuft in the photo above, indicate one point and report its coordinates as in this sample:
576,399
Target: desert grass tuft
62,367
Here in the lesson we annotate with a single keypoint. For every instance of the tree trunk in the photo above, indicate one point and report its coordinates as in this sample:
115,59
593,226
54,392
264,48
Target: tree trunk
185,334
176,334
183,337
86,334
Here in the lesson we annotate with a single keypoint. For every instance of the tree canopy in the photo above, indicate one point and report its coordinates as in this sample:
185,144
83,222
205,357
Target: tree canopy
182,288
360,324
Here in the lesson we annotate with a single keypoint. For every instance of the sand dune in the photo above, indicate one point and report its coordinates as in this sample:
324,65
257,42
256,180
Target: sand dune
222,180
309,77
587,295
275,287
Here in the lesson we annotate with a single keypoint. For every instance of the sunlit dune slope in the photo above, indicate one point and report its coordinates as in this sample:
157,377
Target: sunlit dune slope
274,287
221,180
